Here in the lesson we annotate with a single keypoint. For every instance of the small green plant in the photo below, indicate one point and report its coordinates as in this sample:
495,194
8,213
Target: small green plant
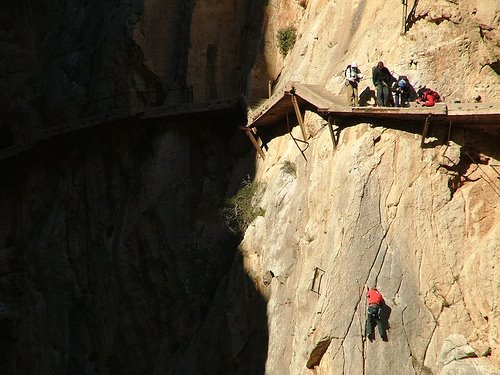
289,168
286,39
241,209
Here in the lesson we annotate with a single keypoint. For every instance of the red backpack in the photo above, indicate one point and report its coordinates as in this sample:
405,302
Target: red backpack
432,93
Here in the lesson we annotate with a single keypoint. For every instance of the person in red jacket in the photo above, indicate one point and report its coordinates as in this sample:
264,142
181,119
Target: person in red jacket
427,97
375,301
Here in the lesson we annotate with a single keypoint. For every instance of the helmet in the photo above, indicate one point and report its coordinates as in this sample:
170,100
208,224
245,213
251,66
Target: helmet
354,64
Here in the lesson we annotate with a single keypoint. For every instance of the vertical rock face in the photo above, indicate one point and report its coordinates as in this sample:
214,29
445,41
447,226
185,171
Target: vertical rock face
67,60
420,224
113,259
451,46
225,38
113,254
380,211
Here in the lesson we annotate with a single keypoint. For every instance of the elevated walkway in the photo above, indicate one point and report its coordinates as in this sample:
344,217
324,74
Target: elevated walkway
201,108
204,109
296,98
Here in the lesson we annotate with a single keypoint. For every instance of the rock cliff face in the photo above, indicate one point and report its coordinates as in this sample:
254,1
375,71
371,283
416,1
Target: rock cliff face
379,211
422,224
66,60
114,260
451,46
111,258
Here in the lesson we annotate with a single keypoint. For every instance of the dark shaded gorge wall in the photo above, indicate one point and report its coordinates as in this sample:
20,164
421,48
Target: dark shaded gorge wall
64,55
226,42
114,260
69,59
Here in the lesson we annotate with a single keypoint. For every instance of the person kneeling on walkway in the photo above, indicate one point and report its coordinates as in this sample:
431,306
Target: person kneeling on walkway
375,300
402,92
352,75
427,97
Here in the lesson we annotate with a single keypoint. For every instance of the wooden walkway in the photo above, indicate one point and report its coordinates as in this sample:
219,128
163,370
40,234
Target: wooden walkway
296,98
293,100
204,109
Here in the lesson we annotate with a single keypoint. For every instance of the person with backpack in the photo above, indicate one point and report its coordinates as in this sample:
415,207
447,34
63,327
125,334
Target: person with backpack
402,91
382,79
375,301
352,76
427,97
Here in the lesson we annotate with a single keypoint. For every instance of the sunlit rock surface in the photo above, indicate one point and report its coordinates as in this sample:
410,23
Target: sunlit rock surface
379,210
113,258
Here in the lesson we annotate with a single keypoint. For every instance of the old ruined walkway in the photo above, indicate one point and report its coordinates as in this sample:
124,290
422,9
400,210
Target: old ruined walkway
142,115
296,98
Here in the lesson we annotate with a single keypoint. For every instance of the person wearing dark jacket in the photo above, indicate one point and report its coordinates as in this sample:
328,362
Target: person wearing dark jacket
402,91
382,79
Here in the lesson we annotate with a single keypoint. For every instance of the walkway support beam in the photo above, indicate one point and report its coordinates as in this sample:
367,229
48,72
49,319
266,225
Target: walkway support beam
299,117
330,127
426,128
405,15
255,143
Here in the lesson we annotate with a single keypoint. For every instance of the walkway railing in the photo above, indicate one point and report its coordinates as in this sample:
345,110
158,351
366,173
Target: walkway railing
138,100
108,108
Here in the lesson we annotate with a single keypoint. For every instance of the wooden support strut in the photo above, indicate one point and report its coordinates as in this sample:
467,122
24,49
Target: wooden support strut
426,128
449,135
405,15
299,116
330,127
255,143
296,139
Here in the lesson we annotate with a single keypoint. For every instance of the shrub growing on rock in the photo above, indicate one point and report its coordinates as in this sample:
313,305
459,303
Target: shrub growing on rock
286,39
242,208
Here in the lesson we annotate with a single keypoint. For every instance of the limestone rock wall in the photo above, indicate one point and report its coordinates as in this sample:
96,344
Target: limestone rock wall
114,259
451,46
66,60
61,57
422,224
379,210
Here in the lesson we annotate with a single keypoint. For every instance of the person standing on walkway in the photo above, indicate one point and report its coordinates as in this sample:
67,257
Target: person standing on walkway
352,75
375,301
382,79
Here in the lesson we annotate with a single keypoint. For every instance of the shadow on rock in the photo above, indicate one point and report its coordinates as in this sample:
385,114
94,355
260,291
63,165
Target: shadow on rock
234,336
385,314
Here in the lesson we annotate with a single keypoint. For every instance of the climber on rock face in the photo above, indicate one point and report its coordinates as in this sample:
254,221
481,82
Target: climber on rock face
375,302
